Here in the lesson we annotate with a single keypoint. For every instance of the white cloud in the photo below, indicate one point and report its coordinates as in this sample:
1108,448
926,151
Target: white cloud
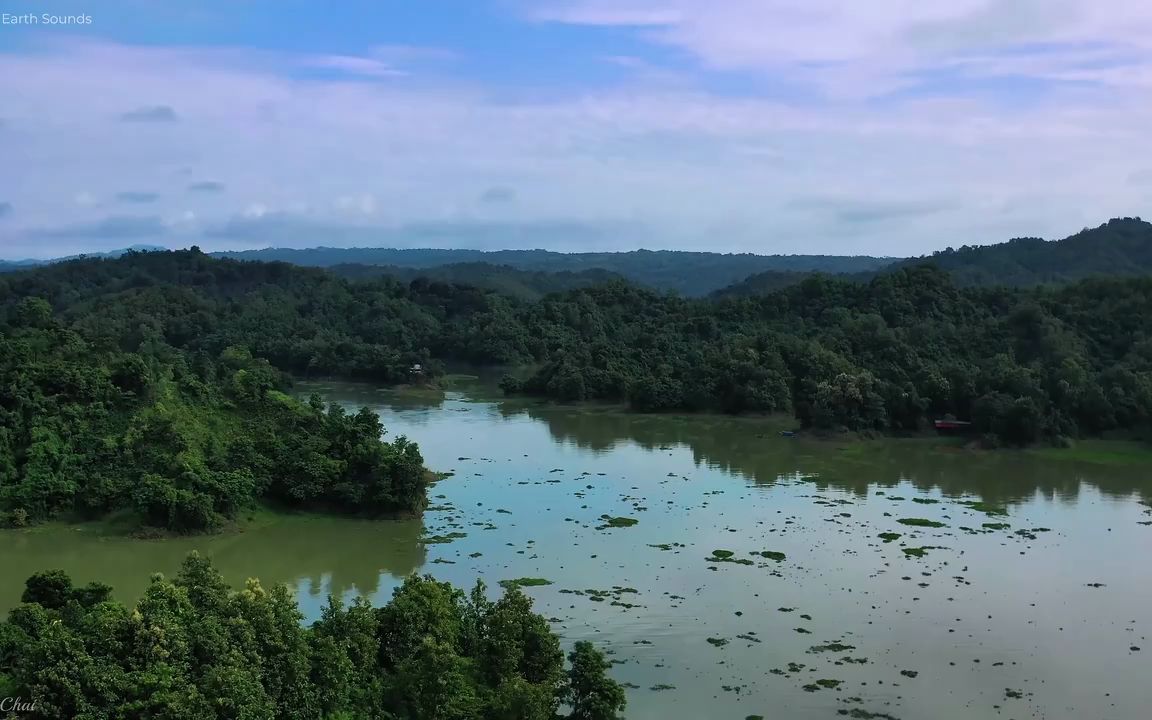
359,204
695,169
354,65
255,210
870,48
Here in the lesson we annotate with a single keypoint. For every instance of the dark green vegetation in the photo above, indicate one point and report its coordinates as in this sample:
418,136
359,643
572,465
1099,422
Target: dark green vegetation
1119,248
503,279
887,355
192,649
920,522
126,402
687,273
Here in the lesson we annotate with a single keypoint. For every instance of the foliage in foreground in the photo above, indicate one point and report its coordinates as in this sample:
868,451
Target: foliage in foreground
191,649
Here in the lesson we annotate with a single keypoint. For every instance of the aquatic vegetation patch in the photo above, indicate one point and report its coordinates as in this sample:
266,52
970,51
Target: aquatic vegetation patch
830,647
909,673
861,714
996,526
921,522
925,501
717,642
524,582
770,555
986,508
720,556
443,539
920,551
889,536
616,522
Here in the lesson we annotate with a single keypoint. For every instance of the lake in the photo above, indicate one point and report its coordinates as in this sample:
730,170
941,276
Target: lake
754,580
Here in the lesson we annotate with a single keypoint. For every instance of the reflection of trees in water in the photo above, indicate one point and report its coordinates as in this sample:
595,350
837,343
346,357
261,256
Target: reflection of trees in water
752,448
337,555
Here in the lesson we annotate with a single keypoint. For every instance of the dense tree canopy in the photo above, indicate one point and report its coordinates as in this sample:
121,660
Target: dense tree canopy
176,439
889,354
1121,247
690,274
151,382
192,649
503,279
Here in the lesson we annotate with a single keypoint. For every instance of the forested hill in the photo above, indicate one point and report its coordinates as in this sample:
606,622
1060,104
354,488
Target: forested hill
523,284
690,274
130,387
1119,248
886,355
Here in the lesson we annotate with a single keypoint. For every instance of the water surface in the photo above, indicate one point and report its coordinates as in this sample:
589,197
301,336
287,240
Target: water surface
1036,620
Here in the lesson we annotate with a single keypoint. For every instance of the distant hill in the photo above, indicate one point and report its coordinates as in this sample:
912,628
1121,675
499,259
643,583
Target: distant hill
688,273
14,265
772,280
524,284
1119,248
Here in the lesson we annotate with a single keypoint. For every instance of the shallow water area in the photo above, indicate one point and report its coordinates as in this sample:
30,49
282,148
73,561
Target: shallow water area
729,571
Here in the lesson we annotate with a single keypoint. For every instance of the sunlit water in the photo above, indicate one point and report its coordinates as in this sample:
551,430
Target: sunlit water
989,623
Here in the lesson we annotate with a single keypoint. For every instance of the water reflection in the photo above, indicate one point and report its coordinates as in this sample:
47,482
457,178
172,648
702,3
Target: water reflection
318,554
752,448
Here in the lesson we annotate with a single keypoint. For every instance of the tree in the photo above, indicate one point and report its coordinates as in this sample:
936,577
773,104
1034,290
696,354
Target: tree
590,692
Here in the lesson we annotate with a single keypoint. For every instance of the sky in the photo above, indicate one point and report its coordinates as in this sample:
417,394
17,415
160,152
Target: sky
887,127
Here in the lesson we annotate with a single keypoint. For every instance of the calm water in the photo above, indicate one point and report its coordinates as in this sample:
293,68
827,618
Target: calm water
988,623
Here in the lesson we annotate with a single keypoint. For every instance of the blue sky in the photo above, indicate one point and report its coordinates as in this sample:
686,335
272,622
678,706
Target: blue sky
775,126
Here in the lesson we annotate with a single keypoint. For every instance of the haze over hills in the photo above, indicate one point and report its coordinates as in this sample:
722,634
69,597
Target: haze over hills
688,273
1121,247
11,265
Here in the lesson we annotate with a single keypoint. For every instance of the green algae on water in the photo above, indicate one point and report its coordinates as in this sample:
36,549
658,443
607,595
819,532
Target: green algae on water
889,536
830,647
616,522
443,539
771,555
524,582
921,522
987,508
920,551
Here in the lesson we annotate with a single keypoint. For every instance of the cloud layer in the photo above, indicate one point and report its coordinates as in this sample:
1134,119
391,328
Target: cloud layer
764,126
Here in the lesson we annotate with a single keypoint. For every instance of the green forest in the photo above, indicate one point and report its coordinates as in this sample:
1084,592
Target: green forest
691,274
155,383
1121,247
173,438
192,648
